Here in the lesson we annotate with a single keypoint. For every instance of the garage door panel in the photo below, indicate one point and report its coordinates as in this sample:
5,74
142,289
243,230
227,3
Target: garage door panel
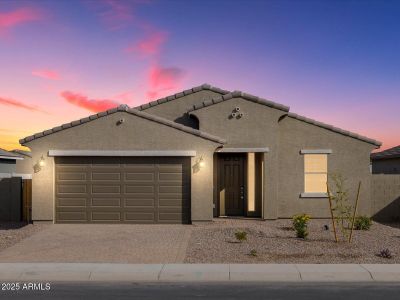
71,202
106,176
108,202
139,189
106,216
129,202
106,189
72,189
171,202
72,216
171,189
139,177
72,176
140,216
122,190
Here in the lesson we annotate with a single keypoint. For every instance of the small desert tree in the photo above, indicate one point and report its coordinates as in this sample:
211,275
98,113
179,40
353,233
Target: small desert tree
341,207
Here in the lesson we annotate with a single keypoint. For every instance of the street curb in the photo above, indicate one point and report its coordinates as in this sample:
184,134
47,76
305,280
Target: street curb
97,272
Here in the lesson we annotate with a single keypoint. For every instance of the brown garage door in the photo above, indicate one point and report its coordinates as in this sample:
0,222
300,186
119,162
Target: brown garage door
122,190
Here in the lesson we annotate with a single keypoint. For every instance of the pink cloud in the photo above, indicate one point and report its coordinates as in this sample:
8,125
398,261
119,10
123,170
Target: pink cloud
47,74
163,80
11,19
151,45
18,104
94,105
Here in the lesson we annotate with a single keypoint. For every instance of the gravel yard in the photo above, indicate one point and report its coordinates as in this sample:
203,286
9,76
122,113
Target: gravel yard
275,242
12,233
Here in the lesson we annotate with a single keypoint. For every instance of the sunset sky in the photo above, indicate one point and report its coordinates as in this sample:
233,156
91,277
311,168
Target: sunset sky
334,61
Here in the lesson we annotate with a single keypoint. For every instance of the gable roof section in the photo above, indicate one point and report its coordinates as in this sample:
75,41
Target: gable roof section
284,108
4,154
237,94
203,87
335,129
388,153
125,108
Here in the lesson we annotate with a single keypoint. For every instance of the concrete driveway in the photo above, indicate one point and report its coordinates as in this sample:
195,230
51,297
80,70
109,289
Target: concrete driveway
102,243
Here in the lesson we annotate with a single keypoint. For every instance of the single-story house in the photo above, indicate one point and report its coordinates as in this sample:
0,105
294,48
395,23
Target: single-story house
386,162
8,161
198,154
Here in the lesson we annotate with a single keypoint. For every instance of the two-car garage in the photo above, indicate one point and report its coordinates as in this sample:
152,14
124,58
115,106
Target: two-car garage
122,189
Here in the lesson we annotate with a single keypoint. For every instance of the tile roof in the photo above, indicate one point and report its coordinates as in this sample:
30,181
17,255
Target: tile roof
237,94
181,94
8,154
388,153
22,152
125,108
335,129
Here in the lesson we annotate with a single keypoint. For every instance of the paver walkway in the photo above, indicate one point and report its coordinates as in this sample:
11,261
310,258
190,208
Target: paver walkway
149,244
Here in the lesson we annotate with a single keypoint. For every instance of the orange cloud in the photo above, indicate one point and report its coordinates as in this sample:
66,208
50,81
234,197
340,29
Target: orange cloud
151,45
162,80
19,16
47,74
18,104
94,105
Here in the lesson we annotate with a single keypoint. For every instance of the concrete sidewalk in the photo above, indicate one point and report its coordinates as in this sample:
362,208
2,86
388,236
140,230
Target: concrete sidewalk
198,272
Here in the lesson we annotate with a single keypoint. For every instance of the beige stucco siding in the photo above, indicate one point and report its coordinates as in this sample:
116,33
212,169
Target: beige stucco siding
283,164
258,127
135,133
349,157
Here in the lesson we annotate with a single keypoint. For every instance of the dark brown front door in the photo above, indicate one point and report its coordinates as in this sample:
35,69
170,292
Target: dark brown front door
231,184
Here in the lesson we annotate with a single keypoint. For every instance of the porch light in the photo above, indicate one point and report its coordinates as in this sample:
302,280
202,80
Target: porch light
201,162
42,163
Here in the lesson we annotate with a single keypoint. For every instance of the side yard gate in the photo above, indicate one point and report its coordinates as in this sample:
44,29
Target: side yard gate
15,199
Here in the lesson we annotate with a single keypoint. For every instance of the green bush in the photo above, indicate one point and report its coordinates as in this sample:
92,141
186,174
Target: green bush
300,224
362,223
241,236
253,252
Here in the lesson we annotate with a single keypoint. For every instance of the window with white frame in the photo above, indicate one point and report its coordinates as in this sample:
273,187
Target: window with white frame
315,173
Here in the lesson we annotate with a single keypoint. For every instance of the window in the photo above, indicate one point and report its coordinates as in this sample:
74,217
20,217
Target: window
315,173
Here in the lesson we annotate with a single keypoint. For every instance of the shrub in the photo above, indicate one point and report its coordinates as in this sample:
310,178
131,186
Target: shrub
385,253
241,236
300,224
362,223
253,252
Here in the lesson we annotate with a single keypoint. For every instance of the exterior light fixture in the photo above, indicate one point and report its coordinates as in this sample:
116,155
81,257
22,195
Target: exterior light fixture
42,163
201,162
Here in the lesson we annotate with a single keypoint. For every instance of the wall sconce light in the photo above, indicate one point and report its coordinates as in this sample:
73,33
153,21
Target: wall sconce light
201,162
198,165
42,163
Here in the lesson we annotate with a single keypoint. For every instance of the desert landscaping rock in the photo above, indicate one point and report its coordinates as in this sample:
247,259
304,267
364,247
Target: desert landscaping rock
11,233
275,242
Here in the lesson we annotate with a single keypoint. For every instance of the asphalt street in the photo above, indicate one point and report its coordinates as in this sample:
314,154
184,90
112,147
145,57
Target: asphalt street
166,291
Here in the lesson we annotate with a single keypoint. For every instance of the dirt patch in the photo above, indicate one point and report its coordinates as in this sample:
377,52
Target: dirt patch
12,233
275,242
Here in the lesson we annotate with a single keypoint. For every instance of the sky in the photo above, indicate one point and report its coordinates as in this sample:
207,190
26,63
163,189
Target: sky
334,61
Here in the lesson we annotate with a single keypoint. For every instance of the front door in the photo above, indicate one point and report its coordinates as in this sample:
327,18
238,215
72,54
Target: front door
231,184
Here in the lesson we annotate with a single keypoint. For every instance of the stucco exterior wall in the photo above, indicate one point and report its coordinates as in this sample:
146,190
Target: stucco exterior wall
258,127
349,157
7,166
24,166
386,166
135,133
386,197
176,110
262,126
